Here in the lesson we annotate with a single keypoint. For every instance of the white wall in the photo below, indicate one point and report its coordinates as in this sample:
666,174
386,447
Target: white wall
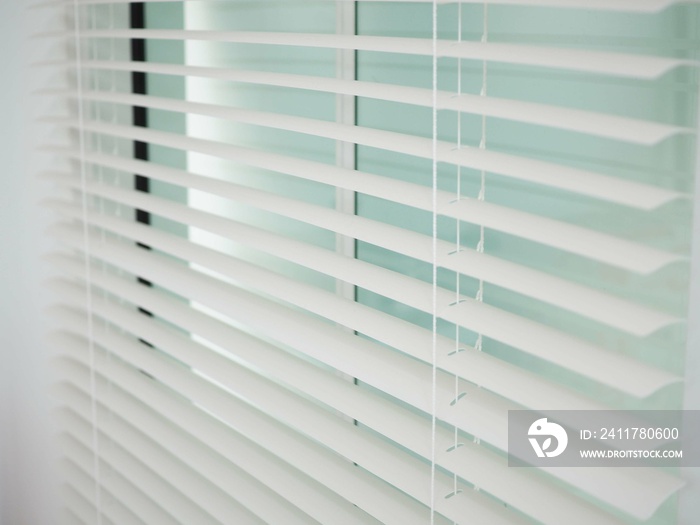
25,473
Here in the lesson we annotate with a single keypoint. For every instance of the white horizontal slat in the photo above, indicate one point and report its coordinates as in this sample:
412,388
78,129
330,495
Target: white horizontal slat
575,180
599,306
224,372
68,517
521,491
571,238
362,360
644,6
115,489
603,63
178,499
542,341
162,450
288,483
333,472
384,460
597,124
221,371
588,302
539,340
111,507
463,313
625,254
477,367
633,6
152,238
74,478
375,455
80,507
624,315
640,321
629,478
476,413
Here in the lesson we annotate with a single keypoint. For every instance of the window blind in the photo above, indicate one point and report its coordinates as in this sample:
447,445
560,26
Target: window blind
311,253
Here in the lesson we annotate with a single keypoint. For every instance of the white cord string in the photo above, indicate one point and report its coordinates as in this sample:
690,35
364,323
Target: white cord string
458,232
482,145
87,257
433,422
109,178
95,83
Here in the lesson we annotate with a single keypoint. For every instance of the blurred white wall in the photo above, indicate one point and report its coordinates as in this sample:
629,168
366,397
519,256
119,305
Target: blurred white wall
25,468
